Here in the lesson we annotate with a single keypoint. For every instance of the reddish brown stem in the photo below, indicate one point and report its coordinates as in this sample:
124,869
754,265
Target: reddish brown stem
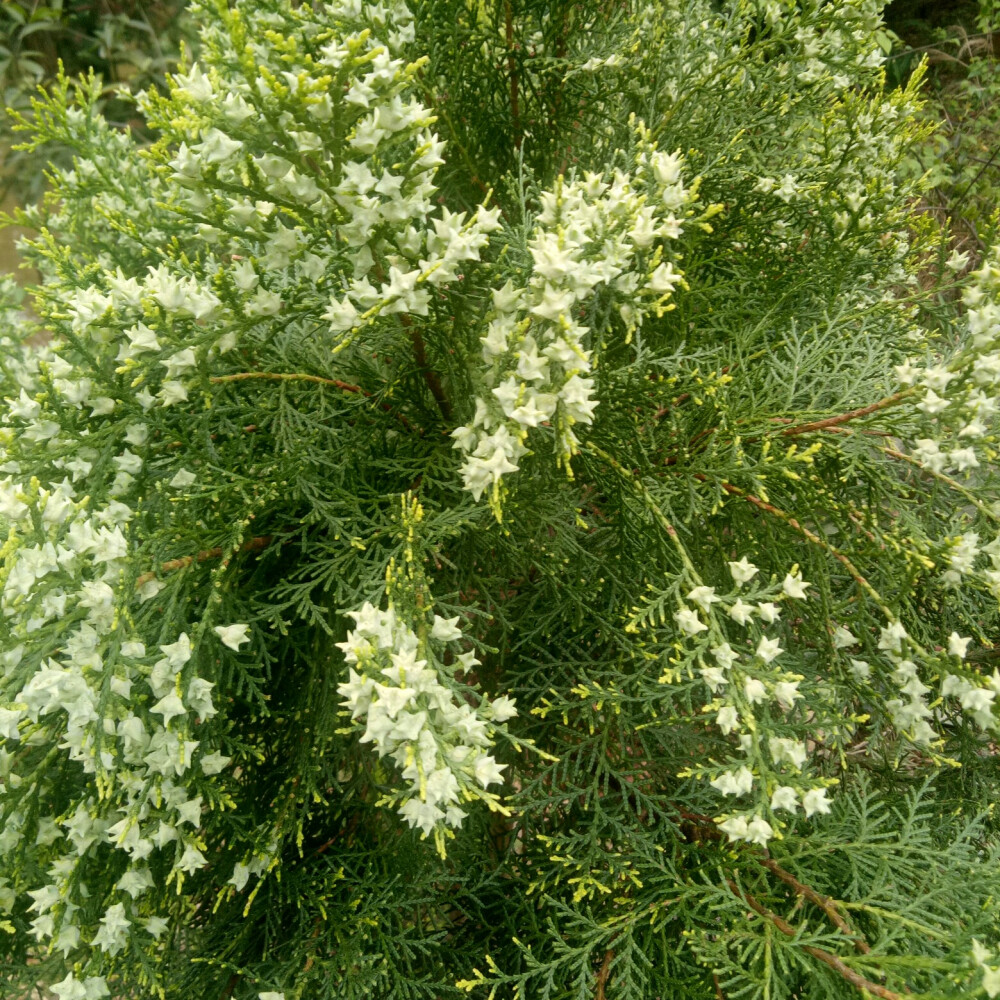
826,904
289,377
663,411
430,376
603,973
831,429
707,825
827,958
299,377
807,534
515,111
843,418
253,545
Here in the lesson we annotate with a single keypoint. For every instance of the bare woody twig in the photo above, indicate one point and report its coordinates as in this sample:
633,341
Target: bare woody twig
336,383
430,376
843,418
515,111
289,377
827,958
826,904
603,973
811,536
253,545
941,477
230,986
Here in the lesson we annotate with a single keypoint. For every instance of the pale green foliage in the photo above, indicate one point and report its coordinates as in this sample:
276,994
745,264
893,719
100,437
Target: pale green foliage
589,360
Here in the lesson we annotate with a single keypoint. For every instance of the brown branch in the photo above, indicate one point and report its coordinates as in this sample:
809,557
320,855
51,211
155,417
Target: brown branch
827,958
941,477
843,418
707,825
719,995
603,973
311,960
231,985
832,429
253,545
301,377
430,376
826,904
344,834
289,377
810,536
515,111
701,822
855,519
327,844
664,410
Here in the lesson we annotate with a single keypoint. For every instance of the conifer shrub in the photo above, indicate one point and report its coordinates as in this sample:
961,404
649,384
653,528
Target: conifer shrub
501,502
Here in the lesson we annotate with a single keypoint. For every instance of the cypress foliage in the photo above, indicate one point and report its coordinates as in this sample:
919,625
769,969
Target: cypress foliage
501,502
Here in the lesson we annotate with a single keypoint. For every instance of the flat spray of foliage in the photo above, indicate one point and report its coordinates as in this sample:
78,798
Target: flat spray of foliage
502,503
